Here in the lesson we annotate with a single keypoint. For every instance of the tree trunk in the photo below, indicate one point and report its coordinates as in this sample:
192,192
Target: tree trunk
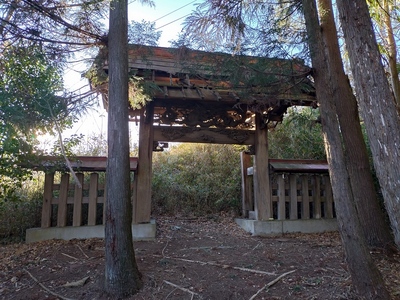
366,278
376,101
122,277
392,50
376,230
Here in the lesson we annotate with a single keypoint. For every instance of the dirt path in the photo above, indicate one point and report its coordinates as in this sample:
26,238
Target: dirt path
192,259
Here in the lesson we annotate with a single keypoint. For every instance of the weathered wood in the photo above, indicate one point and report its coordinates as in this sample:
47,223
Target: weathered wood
47,199
317,197
105,200
293,196
281,198
305,214
203,135
328,207
247,197
94,180
78,193
142,210
262,193
62,201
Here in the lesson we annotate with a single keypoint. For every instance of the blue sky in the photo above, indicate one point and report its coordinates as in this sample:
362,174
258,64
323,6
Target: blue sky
166,14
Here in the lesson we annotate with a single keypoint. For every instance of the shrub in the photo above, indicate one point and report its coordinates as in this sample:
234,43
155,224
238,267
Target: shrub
21,210
197,179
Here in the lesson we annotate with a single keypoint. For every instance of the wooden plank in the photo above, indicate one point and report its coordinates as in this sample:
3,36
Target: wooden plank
293,196
47,200
281,197
94,180
306,198
328,198
105,200
78,193
247,197
317,196
79,163
62,201
262,192
203,135
144,171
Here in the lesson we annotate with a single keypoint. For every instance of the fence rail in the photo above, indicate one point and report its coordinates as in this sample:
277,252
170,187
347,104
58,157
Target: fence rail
66,203
299,189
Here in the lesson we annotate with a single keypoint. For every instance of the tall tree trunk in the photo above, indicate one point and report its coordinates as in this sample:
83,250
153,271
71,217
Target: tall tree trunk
376,230
122,276
366,278
378,107
392,50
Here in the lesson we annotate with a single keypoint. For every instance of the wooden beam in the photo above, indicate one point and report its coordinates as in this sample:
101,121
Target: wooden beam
142,205
247,192
262,191
293,196
92,211
47,199
62,201
78,194
203,135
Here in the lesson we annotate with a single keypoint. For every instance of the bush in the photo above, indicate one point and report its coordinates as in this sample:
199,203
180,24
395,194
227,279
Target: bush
298,137
21,210
197,179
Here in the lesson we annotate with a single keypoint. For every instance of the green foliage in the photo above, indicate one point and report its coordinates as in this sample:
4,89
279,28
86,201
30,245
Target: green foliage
143,33
30,89
197,179
21,209
140,91
298,137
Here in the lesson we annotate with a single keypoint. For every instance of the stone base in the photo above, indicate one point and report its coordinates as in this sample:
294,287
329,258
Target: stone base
276,227
140,232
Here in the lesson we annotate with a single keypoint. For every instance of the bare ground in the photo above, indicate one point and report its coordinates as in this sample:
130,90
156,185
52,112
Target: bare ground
192,258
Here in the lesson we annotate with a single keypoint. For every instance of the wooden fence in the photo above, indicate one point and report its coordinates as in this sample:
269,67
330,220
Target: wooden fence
66,203
299,189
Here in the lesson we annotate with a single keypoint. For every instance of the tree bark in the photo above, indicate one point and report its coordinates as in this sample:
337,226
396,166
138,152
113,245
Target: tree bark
366,278
376,230
377,104
122,277
392,50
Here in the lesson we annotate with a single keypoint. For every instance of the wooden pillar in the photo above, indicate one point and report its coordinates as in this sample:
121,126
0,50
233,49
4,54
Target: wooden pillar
305,213
62,201
143,176
262,192
78,194
47,199
93,189
281,198
293,196
317,196
247,192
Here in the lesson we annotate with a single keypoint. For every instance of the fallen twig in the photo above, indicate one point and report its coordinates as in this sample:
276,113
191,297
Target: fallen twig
181,288
45,288
223,266
271,283
207,248
67,255
82,251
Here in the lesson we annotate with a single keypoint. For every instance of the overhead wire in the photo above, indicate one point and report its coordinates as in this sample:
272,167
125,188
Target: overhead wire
174,11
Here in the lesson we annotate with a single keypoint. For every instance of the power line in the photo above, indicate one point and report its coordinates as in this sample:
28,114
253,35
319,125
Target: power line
172,22
174,11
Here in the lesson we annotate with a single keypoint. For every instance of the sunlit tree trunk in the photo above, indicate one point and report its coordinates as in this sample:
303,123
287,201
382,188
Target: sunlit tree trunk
122,277
365,276
376,230
377,104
